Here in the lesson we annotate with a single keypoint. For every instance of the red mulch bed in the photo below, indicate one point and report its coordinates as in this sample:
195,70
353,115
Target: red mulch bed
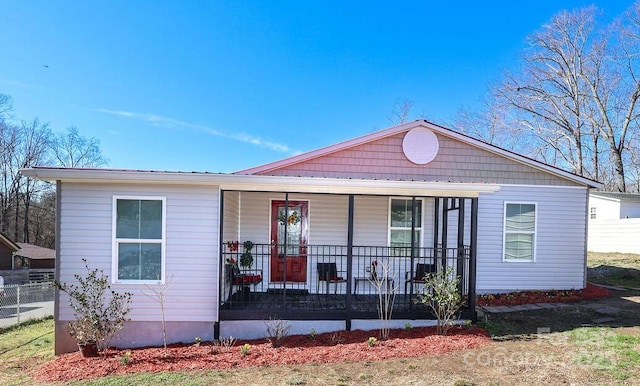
327,347
553,296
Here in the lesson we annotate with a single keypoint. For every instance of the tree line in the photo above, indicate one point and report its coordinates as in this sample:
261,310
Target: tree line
27,206
573,103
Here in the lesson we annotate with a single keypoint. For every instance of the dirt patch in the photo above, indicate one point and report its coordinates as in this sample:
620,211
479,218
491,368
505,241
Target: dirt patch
619,309
553,296
298,349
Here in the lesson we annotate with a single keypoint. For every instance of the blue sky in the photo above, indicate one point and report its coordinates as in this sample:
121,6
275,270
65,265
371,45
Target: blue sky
225,85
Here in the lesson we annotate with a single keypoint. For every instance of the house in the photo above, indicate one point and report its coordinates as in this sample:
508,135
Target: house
35,257
314,238
24,255
614,222
7,249
21,263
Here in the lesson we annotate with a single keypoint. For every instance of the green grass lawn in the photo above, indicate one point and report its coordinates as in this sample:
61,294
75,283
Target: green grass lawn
22,348
617,269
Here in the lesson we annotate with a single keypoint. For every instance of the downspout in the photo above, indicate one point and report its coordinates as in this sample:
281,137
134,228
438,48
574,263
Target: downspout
58,330
586,240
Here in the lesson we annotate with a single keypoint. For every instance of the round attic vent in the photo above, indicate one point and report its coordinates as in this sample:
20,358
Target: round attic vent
420,145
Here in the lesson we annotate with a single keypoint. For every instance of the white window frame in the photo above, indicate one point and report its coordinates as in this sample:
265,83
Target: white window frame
593,213
419,227
505,232
116,241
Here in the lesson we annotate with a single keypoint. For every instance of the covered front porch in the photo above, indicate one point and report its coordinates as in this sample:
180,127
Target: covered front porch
337,256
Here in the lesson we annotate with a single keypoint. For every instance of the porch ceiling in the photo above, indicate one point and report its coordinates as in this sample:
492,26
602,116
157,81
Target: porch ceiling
265,183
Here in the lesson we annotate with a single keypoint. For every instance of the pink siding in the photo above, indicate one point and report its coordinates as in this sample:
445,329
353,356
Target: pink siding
455,162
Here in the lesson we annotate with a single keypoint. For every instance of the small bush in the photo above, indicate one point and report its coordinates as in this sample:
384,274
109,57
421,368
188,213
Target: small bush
442,296
100,312
336,338
277,330
126,358
224,345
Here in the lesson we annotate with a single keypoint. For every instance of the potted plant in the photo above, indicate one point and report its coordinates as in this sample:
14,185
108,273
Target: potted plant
84,332
99,311
246,259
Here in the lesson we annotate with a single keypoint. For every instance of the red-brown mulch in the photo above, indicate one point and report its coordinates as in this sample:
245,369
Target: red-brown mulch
553,296
327,347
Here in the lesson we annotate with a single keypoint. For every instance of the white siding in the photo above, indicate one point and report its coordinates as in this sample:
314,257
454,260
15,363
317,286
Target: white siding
328,219
231,216
606,208
560,240
371,221
328,216
370,224
620,235
629,209
191,246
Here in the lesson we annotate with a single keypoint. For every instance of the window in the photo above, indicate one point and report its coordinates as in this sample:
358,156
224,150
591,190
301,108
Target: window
139,237
400,215
593,213
519,231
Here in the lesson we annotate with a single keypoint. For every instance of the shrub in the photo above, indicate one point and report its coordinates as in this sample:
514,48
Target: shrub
223,344
99,311
442,296
277,329
380,278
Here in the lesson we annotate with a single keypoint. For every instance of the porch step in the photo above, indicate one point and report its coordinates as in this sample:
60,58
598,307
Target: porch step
292,292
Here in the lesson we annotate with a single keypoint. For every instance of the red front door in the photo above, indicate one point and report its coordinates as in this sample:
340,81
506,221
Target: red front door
289,225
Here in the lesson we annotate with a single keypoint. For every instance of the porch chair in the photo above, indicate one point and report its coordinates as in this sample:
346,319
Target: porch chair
244,280
328,273
418,275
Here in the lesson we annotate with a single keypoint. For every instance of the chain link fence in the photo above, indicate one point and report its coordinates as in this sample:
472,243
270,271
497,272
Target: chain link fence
20,302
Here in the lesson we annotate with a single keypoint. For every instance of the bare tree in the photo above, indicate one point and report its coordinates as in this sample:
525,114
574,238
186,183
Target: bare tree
32,151
42,219
493,124
70,149
382,278
400,111
578,93
8,182
611,75
158,293
27,207
548,97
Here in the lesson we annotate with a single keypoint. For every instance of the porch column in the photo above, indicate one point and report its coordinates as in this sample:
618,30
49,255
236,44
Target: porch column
286,250
445,224
221,286
436,226
472,259
413,247
349,260
460,255
413,229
